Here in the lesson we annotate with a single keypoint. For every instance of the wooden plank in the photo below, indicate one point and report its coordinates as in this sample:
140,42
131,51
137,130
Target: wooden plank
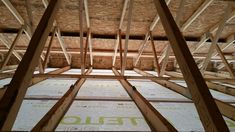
226,109
8,68
52,118
40,67
81,35
155,119
230,70
127,36
180,13
204,38
154,53
206,35
56,74
118,33
144,44
9,53
7,43
49,49
89,37
196,14
63,46
29,10
90,50
120,48
123,13
21,80
17,15
205,105
57,71
216,38
221,88
115,50
86,13
60,38
86,46
165,61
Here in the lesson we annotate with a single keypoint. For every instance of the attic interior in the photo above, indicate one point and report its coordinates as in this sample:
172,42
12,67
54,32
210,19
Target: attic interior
117,65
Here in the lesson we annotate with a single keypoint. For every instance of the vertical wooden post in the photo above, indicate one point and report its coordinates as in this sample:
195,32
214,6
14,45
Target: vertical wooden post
154,53
127,36
14,95
120,47
208,111
49,49
81,4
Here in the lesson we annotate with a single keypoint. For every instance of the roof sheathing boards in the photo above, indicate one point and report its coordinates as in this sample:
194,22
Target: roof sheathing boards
104,18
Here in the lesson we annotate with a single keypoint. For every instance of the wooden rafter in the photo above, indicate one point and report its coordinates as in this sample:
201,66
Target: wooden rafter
21,80
52,118
203,100
155,119
224,89
225,108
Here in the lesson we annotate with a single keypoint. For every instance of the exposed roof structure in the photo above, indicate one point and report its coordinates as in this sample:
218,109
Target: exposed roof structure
183,39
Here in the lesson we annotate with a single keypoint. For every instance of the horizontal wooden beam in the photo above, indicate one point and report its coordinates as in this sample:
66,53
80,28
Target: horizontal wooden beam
221,88
155,119
56,72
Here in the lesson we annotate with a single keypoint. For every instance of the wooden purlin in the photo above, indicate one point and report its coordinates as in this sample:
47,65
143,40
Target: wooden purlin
208,111
21,80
